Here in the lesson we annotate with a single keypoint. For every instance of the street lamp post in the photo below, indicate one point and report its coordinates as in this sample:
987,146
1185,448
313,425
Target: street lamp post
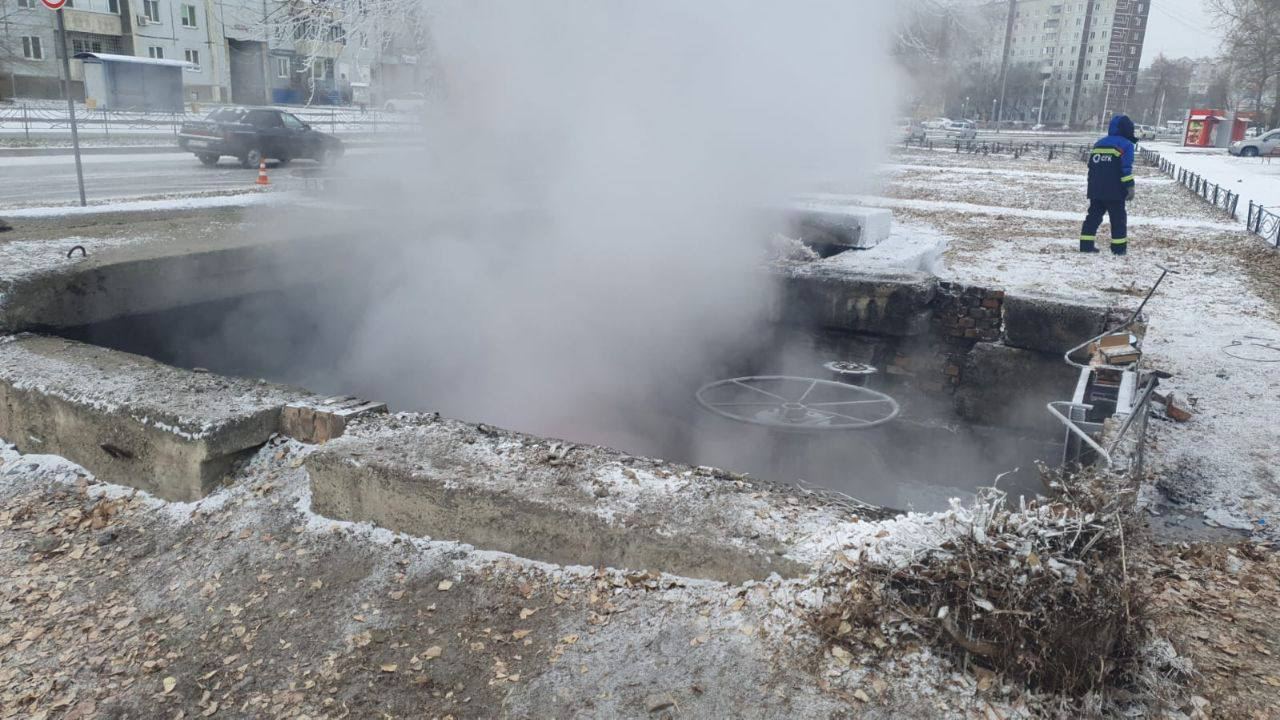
993,113
1044,86
1106,101
964,109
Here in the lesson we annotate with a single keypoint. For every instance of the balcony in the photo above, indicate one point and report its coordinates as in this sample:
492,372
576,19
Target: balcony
317,48
94,23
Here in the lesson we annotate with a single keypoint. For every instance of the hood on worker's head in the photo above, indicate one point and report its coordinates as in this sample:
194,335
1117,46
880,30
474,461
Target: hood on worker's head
1122,126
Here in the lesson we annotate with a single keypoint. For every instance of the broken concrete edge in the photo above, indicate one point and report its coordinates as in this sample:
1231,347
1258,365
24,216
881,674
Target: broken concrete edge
567,504
320,421
879,303
133,421
1055,324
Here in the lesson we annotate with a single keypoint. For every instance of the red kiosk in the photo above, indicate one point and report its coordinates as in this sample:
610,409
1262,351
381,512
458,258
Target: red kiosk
1213,128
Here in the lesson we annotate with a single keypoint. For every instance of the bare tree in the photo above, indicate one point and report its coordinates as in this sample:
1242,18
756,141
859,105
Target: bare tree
1252,44
322,30
1166,83
939,44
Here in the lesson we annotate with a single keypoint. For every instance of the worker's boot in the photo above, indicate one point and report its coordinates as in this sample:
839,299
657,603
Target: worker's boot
1087,244
1119,246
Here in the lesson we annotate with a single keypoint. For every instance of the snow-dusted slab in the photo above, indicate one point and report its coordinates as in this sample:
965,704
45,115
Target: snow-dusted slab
130,420
563,503
842,227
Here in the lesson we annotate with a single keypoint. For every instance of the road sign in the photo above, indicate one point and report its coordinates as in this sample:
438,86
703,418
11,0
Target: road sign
54,4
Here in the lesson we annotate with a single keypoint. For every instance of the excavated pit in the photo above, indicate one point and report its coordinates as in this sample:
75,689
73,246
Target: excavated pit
971,368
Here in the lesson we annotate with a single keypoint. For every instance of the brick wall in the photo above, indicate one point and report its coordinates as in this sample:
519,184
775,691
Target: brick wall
962,317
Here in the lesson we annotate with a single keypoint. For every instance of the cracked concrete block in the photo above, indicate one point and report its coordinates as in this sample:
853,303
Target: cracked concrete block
130,420
1051,324
838,298
546,500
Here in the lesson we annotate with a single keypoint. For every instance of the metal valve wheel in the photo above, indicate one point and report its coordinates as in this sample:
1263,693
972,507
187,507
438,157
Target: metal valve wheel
797,404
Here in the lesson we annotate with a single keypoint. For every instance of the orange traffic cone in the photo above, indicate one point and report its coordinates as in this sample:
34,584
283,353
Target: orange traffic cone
262,173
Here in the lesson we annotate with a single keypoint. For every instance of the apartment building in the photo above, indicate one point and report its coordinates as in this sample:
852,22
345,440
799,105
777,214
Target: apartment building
235,49
1087,52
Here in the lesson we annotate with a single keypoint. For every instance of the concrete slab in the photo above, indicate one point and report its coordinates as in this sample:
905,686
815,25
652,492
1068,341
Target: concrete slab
130,420
1008,387
842,298
44,288
842,227
1051,324
555,502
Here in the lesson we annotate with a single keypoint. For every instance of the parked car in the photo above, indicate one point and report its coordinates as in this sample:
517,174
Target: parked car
962,129
1144,132
1264,144
911,131
409,102
938,123
252,135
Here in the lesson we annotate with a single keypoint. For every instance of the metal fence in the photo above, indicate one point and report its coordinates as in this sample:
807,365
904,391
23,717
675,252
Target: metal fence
1212,193
1264,223
1050,151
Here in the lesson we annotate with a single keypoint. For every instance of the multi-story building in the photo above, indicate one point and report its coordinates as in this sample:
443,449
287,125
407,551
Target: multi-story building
235,49
1087,52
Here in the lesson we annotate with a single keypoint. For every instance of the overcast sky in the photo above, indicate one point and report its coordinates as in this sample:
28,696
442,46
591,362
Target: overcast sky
1179,28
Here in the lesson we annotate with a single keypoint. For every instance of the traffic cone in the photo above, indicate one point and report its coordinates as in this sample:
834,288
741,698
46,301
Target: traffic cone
262,173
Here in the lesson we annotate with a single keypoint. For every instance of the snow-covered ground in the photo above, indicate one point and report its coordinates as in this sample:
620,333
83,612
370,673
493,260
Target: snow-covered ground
1013,224
244,198
1254,179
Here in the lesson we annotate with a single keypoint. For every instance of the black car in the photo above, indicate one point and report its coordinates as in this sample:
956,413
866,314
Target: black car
254,134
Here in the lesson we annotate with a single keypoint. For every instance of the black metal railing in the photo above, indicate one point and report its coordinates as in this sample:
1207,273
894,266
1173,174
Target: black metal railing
1210,192
1264,223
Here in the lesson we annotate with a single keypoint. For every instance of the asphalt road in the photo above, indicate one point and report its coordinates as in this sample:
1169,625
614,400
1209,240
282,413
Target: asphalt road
43,181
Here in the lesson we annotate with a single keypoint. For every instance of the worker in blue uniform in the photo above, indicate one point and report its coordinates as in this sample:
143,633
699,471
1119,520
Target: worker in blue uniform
1110,186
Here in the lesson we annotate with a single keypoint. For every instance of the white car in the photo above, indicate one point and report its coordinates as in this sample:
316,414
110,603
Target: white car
962,129
409,102
936,123
1265,144
1144,132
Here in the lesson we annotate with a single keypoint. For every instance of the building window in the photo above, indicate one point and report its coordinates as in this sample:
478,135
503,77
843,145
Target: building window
79,46
151,9
155,52
282,67
113,6
322,69
193,57
189,16
31,48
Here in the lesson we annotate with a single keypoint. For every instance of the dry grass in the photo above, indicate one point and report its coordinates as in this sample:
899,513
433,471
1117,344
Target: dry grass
1042,595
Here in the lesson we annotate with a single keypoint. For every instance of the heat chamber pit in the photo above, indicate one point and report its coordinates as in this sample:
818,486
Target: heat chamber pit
945,439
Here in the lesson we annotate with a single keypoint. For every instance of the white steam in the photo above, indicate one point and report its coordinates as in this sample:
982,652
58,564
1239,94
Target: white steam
582,239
